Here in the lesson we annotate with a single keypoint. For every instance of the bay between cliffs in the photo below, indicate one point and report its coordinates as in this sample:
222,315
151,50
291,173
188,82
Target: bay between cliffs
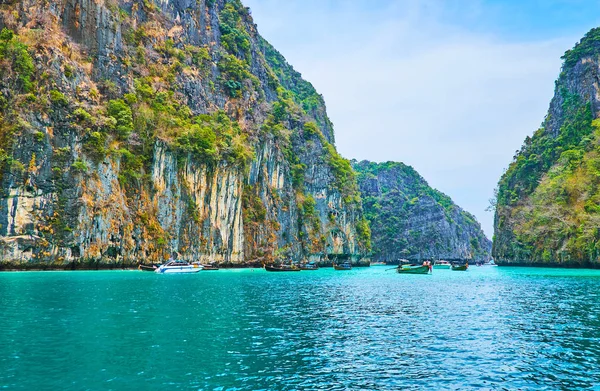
488,328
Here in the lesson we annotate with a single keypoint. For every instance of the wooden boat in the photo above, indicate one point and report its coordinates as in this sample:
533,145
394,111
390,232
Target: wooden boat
309,266
146,268
413,269
282,268
343,266
460,268
209,267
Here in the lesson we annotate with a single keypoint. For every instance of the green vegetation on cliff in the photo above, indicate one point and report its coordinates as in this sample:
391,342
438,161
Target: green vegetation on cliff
543,150
17,69
166,127
588,46
548,202
409,219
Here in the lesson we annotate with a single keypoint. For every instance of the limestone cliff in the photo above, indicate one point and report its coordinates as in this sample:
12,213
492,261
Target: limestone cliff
133,128
410,220
548,204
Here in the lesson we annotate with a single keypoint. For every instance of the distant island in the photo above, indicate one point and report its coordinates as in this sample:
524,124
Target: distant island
410,220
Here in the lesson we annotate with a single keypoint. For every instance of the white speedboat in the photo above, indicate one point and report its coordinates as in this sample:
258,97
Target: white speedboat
178,267
442,265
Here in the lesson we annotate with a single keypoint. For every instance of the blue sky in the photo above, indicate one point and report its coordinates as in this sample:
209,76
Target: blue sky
449,87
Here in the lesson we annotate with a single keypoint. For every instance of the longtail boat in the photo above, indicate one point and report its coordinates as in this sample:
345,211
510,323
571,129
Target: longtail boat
209,267
460,268
309,266
413,269
343,266
282,268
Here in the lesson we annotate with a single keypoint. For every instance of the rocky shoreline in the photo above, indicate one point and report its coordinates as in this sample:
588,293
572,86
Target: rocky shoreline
91,266
554,265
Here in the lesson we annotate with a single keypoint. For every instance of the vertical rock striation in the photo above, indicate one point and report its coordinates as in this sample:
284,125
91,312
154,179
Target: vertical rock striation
130,129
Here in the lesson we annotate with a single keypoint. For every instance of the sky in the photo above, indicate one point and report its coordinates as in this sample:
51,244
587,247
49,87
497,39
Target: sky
450,87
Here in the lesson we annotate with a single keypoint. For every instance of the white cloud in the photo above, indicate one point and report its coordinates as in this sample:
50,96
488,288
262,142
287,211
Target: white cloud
402,83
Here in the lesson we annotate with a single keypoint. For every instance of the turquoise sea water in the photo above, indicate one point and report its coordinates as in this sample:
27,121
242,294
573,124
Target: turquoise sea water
367,329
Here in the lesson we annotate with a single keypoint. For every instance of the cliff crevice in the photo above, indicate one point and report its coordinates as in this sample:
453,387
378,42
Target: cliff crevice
132,129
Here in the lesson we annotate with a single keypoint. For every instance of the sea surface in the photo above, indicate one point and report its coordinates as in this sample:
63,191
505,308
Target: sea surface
490,328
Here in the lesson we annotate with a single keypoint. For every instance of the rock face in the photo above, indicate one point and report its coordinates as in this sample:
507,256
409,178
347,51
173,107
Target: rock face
131,129
410,220
548,204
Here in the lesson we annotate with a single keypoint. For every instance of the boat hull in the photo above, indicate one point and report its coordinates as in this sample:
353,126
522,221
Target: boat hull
145,268
279,269
413,270
209,267
339,267
178,270
441,266
460,268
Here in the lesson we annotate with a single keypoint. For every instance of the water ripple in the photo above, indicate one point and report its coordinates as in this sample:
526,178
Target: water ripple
368,329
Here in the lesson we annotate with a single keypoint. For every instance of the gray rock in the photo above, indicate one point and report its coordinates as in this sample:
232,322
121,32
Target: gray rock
410,220
72,209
